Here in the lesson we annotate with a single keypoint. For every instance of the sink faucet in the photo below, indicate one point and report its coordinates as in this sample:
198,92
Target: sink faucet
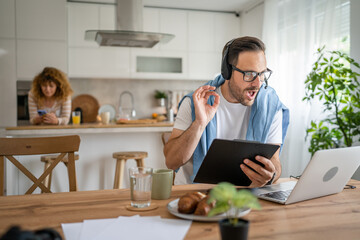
133,112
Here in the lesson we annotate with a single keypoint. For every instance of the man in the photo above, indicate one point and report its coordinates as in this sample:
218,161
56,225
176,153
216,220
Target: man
235,105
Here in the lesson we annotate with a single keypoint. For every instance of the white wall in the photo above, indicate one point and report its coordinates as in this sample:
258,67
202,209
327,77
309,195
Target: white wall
354,43
252,21
107,91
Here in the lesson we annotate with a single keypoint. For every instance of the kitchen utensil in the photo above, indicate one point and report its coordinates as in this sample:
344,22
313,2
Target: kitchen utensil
88,105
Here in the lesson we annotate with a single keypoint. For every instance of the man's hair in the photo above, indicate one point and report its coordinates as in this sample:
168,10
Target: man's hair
242,44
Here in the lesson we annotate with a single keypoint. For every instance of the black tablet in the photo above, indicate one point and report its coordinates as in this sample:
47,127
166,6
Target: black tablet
222,161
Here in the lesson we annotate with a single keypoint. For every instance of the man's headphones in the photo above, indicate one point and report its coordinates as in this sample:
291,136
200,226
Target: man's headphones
226,68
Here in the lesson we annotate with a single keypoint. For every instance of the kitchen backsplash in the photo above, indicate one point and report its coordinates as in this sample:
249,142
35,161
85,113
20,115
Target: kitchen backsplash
107,91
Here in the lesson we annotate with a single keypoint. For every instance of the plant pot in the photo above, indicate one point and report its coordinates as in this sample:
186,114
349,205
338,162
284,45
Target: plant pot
231,232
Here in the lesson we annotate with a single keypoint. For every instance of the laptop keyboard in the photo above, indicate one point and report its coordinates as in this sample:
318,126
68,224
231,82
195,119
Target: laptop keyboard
280,195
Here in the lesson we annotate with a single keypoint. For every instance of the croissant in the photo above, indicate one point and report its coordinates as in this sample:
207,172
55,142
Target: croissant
204,207
188,202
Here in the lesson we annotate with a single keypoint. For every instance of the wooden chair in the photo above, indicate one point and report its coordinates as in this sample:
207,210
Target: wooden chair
121,158
65,145
47,160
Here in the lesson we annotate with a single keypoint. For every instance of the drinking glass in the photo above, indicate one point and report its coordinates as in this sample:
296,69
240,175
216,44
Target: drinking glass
76,117
140,186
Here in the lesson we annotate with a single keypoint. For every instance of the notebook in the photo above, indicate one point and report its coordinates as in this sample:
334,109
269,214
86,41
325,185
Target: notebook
327,173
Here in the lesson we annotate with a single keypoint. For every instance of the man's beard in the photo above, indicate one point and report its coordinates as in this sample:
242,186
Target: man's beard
240,94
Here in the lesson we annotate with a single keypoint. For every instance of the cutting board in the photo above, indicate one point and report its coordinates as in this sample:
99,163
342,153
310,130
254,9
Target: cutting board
138,121
88,105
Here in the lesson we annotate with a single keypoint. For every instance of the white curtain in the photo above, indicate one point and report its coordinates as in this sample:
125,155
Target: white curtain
292,31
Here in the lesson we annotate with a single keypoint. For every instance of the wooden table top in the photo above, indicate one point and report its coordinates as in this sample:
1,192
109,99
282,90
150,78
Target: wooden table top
331,217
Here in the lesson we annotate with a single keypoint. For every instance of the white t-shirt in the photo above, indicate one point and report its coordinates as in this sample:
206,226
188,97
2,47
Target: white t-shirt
232,123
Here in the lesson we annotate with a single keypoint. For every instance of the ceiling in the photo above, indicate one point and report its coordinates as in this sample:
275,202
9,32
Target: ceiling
213,5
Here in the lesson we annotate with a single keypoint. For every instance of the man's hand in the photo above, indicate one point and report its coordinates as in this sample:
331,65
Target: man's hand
262,175
203,111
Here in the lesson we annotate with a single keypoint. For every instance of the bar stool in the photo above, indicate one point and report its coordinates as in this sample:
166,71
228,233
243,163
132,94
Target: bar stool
48,159
121,158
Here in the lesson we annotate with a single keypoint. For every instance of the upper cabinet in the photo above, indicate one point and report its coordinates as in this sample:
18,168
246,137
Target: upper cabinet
194,52
86,58
164,60
208,33
7,19
41,36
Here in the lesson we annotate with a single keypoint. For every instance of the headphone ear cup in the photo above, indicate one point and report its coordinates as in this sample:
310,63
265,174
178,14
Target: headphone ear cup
225,67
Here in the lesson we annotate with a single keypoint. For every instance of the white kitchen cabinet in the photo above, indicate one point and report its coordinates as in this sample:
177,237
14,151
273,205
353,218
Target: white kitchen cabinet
174,22
34,55
8,82
180,57
41,19
107,17
99,62
7,63
82,17
151,22
201,32
41,35
86,58
208,33
204,65
227,27
194,52
7,19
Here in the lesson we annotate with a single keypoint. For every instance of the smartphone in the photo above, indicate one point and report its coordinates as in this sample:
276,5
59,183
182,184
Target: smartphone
41,112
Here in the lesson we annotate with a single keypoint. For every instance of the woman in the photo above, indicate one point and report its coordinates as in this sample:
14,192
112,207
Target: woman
51,92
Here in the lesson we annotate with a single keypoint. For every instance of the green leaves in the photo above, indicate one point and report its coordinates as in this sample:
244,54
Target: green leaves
229,200
333,82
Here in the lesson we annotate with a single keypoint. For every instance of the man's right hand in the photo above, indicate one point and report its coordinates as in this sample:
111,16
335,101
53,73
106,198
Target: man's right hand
204,112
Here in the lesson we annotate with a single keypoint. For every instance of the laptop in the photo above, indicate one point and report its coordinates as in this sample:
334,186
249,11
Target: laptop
327,173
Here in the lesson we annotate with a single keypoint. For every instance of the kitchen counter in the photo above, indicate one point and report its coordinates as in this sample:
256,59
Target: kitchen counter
95,168
88,128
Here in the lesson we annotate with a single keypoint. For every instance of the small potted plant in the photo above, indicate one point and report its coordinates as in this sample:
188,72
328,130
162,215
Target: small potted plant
160,96
231,201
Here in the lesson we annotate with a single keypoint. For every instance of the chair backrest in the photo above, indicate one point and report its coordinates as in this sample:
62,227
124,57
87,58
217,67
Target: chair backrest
65,145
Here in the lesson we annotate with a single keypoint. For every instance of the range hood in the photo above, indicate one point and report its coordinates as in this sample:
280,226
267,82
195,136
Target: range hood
129,31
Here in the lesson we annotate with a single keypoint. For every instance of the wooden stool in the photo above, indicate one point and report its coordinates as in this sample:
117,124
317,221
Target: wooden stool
121,158
47,159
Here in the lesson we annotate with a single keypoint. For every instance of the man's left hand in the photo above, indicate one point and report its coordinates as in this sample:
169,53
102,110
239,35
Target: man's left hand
261,175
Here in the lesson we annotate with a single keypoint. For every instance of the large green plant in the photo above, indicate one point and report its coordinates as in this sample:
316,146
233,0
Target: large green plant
335,85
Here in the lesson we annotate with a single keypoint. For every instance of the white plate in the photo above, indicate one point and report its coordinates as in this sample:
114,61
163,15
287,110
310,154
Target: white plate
173,209
108,108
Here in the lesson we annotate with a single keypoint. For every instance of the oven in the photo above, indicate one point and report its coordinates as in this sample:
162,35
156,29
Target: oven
22,91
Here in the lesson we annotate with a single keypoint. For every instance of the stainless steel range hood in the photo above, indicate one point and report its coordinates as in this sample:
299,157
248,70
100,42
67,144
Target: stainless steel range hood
129,31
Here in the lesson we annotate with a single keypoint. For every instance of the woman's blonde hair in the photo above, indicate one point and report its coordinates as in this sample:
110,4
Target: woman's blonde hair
51,74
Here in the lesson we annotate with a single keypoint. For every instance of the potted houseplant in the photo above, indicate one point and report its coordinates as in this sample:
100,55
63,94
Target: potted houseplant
231,201
333,81
160,96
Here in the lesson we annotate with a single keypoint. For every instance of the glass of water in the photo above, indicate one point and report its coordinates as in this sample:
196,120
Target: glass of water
140,186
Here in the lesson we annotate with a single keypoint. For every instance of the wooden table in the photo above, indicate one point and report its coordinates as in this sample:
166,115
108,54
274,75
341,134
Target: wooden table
332,217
